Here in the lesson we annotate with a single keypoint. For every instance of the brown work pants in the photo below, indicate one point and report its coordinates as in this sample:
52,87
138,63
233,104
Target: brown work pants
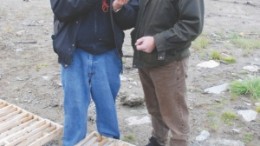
165,96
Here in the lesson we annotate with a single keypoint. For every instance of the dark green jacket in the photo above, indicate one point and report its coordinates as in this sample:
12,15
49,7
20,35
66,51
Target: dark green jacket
174,24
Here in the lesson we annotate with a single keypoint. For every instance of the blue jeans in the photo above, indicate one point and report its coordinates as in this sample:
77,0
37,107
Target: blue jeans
90,76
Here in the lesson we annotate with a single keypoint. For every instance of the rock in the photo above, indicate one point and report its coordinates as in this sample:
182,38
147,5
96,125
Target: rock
134,83
138,120
19,79
130,79
123,78
203,135
257,104
208,64
251,68
20,33
27,42
131,100
217,89
130,87
248,115
250,3
58,83
225,142
19,50
41,21
236,131
240,107
46,78
92,112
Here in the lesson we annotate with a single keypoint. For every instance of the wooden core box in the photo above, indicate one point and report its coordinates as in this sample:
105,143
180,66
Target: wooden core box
95,139
19,127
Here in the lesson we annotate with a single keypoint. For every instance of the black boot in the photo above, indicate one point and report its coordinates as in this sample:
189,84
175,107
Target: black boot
153,142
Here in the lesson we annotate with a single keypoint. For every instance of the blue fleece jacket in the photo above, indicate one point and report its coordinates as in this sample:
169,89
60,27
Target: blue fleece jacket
95,33
71,15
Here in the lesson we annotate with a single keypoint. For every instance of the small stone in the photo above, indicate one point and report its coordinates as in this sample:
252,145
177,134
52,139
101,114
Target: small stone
217,89
251,68
248,115
203,136
138,120
208,64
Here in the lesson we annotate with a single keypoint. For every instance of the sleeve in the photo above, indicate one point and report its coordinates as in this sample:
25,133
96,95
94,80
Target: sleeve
126,17
67,10
187,28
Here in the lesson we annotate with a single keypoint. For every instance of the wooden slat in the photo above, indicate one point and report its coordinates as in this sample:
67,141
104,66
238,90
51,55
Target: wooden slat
5,110
19,127
94,139
9,115
92,135
37,135
13,131
46,137
19,140
12,123
25,131
2,104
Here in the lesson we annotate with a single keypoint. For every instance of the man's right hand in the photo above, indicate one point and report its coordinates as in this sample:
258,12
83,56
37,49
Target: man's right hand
118,4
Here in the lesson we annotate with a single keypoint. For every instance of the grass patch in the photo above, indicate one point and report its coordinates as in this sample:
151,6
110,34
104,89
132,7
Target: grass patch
129,138
215,55
40,66
212,121
258,109
2,13
229,59
245,43
8,29
228,117
248,137
200,43
211,114
247,87
213,125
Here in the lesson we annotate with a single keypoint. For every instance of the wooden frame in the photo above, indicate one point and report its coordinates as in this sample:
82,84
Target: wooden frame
95,139
19,127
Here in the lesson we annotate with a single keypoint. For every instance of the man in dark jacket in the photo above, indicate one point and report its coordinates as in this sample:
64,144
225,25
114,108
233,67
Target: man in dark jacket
88,37
161,40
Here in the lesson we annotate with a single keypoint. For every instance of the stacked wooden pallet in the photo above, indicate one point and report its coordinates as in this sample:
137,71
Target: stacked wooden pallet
94,139
19,127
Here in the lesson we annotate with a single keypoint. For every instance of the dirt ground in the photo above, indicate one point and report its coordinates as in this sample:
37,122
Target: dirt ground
30,74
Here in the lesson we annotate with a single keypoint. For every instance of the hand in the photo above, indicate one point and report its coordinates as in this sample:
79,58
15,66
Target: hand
118,4
145,44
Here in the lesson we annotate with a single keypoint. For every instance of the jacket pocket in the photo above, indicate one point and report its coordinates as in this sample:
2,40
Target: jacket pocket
63,44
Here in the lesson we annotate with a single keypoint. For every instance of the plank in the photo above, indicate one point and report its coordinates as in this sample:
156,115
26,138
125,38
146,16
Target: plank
19,127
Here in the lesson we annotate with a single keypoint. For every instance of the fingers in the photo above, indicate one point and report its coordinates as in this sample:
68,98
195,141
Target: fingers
140,48
145,44
140,44
139,41
118,4
122,2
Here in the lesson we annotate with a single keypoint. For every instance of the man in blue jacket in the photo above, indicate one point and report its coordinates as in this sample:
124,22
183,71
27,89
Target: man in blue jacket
88,37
